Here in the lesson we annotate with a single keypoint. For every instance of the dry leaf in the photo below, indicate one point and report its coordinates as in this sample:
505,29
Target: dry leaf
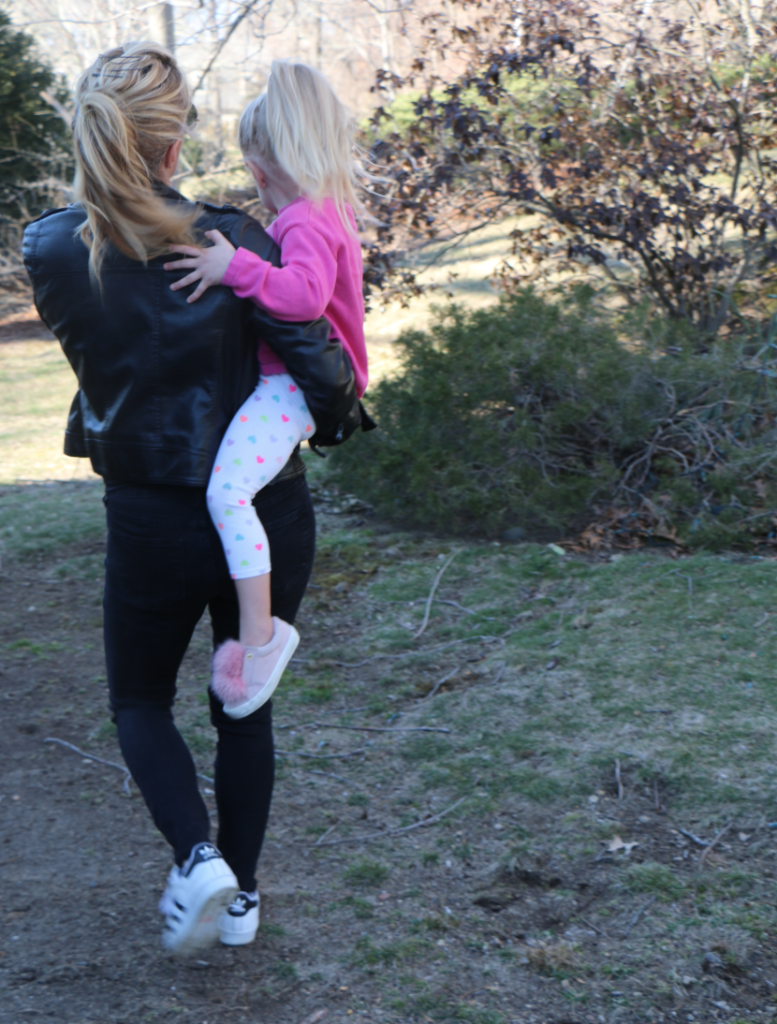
591,539
315,1017
616,843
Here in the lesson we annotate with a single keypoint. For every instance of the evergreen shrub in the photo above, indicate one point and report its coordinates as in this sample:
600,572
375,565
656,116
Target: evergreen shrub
546,414
36,157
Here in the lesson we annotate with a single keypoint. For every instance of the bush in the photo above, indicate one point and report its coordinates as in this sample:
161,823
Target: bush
537,414
640,153
35,146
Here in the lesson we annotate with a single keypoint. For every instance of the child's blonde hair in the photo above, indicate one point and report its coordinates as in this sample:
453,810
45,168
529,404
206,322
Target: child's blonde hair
131,104
300,125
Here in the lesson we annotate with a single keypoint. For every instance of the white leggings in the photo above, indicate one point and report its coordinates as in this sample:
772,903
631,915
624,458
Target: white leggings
257,445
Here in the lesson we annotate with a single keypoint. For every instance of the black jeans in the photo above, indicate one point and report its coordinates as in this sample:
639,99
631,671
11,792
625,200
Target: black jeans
164,566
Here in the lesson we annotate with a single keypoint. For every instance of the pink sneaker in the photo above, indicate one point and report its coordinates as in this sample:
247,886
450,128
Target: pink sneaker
244,678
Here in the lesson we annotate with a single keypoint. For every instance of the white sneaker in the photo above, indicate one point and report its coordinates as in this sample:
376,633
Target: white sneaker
239,923
244,678
195,896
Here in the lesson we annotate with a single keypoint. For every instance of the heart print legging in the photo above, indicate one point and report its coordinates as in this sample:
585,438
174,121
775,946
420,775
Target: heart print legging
257,445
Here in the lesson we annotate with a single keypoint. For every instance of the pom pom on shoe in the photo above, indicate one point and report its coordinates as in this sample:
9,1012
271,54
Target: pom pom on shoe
227,680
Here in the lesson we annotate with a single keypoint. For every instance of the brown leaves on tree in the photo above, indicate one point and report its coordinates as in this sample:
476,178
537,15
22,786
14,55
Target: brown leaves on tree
642,140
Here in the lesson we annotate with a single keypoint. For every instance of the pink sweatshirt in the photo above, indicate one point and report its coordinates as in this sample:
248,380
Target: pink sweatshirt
320,275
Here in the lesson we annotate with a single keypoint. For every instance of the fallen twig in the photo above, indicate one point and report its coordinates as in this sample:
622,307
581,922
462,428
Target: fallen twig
315,1017
618,778
444,680
93,757
384,728
500,673
429,599
111,764
597,930
637,916
397,831
711,846
333,711
328,832
469,611
330,775
693,838
437,600
676,572
432,650
658,807
412,604
320,757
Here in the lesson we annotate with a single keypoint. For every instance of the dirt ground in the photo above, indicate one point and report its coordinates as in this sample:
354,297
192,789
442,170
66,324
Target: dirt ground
19,320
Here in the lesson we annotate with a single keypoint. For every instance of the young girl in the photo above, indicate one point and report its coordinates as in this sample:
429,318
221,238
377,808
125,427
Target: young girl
297,142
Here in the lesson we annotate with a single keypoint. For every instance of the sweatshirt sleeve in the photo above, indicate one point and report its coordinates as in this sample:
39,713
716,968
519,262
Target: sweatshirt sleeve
301,288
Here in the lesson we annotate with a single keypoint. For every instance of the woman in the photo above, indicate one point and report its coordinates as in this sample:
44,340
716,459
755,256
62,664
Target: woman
159,380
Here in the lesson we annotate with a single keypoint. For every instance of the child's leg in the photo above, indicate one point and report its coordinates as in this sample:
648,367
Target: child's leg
253,595
256,446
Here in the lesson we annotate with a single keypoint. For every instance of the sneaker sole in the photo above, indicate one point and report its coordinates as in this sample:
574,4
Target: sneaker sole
236,938
241,710
204,928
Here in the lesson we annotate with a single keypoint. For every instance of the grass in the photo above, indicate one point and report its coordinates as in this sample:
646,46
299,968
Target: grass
463,273
37,387
657,879
410,951
43,520
652,653
361,908
366,874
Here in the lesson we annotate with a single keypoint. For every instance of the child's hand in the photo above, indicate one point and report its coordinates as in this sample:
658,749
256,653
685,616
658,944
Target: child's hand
209,265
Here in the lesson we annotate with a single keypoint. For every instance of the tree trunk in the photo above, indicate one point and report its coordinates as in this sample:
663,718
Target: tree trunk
161,25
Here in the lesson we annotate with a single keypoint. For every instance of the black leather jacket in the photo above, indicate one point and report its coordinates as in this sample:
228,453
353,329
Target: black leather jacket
160,379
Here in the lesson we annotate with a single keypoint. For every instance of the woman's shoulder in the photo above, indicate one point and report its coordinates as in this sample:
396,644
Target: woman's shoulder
240,228
52,239
223,218
59,219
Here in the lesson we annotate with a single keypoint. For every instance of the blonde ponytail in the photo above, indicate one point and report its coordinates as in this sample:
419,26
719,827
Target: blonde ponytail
131,104
300,125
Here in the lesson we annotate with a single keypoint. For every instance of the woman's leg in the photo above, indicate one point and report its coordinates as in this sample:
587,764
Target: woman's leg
263,434
245,761
159,574
244,777
163,770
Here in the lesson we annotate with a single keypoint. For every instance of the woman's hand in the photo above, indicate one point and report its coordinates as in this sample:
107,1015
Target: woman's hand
209,265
